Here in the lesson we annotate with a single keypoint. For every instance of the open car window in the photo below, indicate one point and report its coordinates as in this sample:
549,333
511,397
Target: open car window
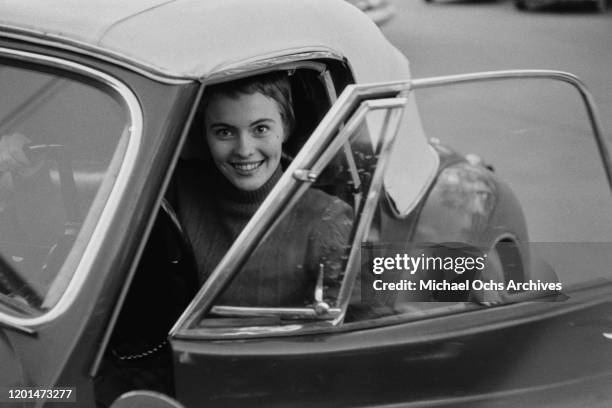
76,126
318,213
282,276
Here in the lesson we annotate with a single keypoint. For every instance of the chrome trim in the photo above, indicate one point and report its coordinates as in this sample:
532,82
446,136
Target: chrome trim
340,141
387,137
314,151
20,329
329,86
155,73
573,80
305,175
282,312
102,227
350,160
295,60
250,331
505,236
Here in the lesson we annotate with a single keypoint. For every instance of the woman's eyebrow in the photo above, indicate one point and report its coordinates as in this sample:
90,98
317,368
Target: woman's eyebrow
261,120
220,124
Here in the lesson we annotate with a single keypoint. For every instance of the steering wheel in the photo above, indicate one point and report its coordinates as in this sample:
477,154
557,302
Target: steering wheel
11,281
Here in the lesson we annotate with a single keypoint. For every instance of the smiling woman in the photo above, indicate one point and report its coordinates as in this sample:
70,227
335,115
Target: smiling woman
246,123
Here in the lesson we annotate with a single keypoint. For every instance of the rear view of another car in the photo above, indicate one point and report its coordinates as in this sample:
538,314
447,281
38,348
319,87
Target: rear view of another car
380,11
601,5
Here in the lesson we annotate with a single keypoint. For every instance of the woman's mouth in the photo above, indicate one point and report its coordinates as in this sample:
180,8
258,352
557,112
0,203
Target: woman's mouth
246,168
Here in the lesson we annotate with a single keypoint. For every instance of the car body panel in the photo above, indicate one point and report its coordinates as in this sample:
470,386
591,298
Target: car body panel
472,359
380,11
522,4
79,328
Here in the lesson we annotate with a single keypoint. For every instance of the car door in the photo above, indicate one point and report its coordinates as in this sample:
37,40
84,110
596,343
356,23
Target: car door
80,124
343,346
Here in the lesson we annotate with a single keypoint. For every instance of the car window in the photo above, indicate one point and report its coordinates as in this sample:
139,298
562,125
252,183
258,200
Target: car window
73,127
298,270
470,236
310,240
539,141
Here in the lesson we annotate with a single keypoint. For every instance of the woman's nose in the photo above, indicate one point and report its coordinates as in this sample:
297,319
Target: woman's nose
245,146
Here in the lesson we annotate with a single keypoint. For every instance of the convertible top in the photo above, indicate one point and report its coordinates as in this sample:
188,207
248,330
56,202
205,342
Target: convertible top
192,39
186,40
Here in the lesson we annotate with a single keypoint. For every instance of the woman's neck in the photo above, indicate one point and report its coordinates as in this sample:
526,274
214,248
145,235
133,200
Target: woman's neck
244,202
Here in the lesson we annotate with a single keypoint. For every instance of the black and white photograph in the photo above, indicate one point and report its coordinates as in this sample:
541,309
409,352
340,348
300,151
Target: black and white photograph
305,203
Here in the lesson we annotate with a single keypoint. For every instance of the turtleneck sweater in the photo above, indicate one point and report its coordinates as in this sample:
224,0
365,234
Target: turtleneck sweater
283,269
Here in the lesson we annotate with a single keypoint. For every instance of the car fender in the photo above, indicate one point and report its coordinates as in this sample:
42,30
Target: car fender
11,374
469,204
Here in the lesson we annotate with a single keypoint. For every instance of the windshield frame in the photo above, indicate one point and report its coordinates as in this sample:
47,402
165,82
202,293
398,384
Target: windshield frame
122,170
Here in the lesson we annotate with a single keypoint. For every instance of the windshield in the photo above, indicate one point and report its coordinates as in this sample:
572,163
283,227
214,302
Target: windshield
59,133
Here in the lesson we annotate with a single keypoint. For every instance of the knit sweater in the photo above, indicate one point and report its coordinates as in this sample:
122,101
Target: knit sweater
283,269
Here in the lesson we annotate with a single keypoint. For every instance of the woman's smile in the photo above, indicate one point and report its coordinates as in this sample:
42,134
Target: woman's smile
247,168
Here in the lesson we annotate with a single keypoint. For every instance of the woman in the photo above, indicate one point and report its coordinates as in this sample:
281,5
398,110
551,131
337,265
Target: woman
246,123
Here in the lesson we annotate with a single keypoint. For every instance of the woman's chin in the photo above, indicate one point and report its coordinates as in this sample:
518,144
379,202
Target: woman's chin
248,183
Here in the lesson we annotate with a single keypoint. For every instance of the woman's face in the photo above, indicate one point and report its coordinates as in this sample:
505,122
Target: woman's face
245,136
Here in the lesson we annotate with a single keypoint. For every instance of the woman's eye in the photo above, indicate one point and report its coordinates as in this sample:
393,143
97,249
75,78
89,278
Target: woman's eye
223,133
261,129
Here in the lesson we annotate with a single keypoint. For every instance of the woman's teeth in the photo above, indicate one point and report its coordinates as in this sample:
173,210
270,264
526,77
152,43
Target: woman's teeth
247,166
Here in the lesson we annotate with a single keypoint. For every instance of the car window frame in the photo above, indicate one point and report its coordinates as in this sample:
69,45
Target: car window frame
524,302
315,154
78,266
182,330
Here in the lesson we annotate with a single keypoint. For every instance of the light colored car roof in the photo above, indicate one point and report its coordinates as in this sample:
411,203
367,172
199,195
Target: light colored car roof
194,38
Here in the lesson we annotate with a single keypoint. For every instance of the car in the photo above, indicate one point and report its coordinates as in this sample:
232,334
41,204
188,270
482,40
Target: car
101,298
601,5
380,11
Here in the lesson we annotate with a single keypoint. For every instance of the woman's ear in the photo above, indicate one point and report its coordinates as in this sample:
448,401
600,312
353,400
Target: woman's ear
288,127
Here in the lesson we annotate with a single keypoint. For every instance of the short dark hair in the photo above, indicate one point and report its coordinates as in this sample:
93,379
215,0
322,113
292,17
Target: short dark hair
274,85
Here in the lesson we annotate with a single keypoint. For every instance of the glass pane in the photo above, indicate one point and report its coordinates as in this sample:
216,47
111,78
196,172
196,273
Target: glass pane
59,134
308,246
537,137
520,210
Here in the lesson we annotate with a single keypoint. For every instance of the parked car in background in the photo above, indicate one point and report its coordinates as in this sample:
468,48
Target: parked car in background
601,5
380,11
99,286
